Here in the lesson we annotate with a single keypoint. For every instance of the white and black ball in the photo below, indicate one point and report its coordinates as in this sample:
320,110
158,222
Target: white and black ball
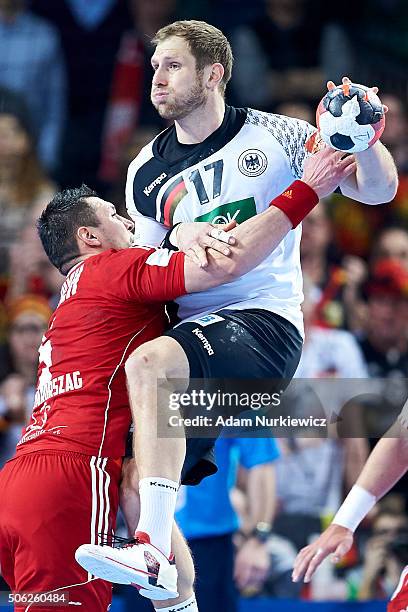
350,118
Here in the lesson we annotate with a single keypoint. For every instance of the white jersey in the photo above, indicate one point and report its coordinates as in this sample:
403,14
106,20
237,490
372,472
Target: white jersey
233,174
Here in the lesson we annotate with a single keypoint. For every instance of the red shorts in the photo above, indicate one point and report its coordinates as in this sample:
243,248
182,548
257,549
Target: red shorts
399,599
51,503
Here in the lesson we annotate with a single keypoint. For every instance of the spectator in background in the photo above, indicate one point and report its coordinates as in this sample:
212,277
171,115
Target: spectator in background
30,270
391,243
385,341
90,33
23,184
385,555
275,60
129,106
31,63
333,279
28,320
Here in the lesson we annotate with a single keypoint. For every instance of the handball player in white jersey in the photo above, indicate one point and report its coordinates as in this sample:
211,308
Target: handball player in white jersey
217,164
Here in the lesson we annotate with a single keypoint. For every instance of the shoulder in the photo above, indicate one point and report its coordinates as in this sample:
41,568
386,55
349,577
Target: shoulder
283,128
289,133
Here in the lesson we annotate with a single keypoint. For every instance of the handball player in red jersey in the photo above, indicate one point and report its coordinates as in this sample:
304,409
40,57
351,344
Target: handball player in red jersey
387,463
61,489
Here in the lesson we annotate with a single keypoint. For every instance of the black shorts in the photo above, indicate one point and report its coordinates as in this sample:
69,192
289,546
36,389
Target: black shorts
251,343
245,344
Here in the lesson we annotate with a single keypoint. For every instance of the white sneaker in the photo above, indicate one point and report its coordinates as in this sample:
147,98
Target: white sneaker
140,564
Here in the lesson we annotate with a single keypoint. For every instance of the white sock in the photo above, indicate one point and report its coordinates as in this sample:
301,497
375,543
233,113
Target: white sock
190,605
158,498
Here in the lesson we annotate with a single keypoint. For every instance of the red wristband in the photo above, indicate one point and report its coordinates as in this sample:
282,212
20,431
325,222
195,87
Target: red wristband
296,201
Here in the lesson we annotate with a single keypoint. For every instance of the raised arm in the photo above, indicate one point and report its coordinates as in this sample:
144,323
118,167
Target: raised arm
260,235
387,463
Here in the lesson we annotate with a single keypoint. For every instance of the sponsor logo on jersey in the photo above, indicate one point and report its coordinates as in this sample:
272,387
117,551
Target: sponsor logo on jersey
238,211
252,162
208,319
157,181
171,198
197,332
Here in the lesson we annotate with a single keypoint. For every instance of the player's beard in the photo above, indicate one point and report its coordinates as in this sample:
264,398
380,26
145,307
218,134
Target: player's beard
181,106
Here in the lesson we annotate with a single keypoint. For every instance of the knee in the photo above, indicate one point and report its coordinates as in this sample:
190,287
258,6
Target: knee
144,361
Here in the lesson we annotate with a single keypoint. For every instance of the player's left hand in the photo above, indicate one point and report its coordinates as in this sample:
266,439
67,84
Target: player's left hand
195,238
346,82
252,563
335,539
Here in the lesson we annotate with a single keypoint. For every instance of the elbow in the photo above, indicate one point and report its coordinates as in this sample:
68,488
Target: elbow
381,192
385,189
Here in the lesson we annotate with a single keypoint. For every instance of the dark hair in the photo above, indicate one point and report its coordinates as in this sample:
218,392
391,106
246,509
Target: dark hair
207,44
57,225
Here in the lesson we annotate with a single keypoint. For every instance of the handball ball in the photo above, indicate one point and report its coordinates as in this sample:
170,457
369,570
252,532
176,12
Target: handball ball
350,118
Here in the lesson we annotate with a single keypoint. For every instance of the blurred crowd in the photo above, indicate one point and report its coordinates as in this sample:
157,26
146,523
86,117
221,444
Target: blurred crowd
74,107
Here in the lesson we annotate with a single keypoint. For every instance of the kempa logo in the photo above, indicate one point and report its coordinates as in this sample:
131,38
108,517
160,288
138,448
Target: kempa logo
197,332
164,486
148,190
182,608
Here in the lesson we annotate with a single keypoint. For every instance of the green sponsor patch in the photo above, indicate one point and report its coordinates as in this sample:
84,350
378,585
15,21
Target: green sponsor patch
238,211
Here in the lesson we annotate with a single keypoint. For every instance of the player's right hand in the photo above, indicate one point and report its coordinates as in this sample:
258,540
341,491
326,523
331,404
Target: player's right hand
335,539
325,170
195,238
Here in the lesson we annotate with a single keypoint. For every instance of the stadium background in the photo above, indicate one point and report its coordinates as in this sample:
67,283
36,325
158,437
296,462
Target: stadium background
74,107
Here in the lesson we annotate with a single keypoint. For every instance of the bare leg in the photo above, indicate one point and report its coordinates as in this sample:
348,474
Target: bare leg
159,360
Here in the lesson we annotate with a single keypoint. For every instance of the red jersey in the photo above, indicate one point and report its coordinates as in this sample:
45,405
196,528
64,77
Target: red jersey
110,304
399,599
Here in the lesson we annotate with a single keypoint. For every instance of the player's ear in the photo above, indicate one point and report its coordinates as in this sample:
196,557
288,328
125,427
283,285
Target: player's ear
216,72
87,236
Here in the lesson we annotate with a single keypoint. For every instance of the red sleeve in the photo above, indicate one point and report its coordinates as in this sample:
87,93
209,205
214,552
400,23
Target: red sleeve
146,274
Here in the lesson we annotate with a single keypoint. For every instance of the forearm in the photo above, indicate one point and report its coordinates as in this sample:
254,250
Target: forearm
387,463
375,180
261,495
356,453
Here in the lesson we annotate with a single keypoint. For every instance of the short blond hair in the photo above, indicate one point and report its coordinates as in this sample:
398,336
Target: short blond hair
207,44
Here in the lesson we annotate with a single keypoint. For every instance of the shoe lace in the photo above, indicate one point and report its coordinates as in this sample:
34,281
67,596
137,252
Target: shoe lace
116,541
